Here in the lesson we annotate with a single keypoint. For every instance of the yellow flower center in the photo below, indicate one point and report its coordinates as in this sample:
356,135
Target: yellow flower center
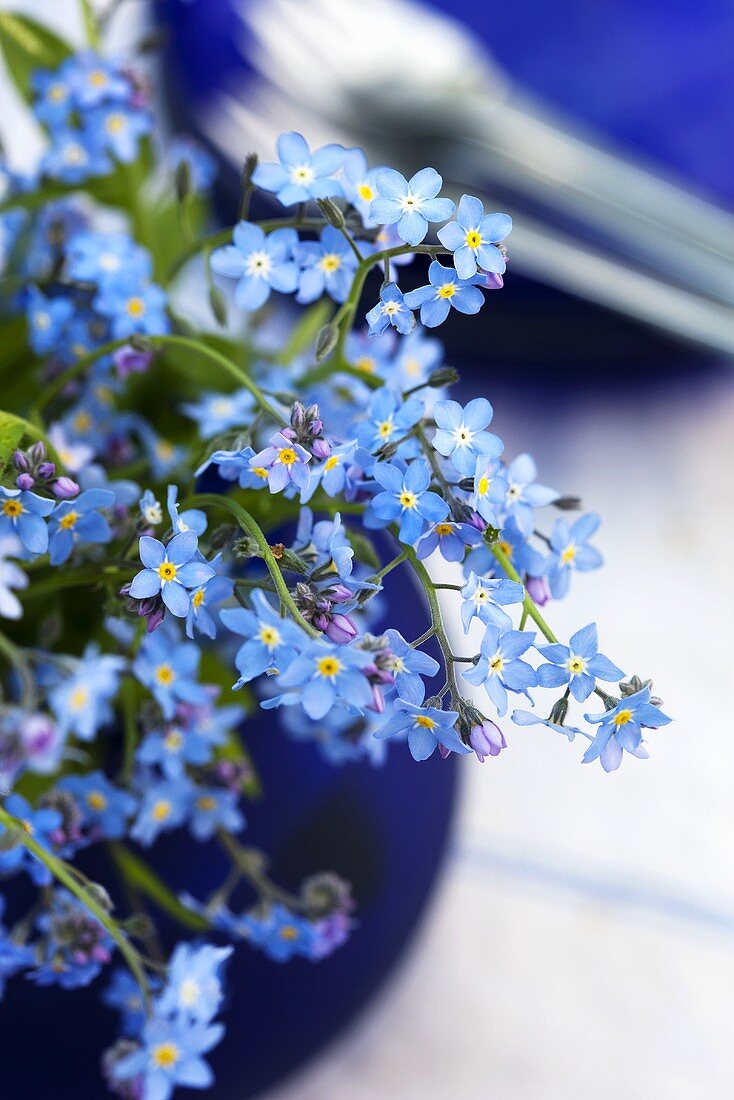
385,429
474,238
408,499
302,174
207,803
82,422
365,192
167,571
97,78
444,529
481,595
576,665
623,718
12,508
366,363
328,667
260,471
425,722
74,153
330,263
497,663
287,456
79,698
161,810
165,675
164,449
568,554
135,307
270,636
57,93
483,486
189,992
331,462
115,124
96,800
289,932
198,598
68,522
447,290
165,1055
173,740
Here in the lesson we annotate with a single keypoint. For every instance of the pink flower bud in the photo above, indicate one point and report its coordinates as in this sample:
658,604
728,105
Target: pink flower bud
24,481
64,488
487,740
320,448
538,590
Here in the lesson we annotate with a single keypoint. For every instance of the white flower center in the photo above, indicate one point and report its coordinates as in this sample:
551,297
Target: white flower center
259,264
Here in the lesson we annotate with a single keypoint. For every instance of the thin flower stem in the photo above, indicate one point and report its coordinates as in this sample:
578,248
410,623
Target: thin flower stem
449,587
249,863
396,561
63,873
17,660
248,524
185,343
130,730
529,607
436,619
424,637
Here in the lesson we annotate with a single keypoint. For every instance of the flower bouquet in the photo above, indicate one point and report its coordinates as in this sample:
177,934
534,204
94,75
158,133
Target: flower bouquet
201,497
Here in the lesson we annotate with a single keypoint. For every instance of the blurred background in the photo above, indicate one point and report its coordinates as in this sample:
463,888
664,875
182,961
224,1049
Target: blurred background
581,938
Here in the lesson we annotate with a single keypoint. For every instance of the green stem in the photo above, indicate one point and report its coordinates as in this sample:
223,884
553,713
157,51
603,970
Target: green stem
396,561
248,862
436,619
130,730
136,872
17,660
64,874
248,524
185,343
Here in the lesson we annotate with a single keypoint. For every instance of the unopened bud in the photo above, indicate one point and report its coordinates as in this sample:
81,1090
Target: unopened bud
218,305
331,212
47,470
20,461
25,481
183,180
568,504
326,342
443,376
64,488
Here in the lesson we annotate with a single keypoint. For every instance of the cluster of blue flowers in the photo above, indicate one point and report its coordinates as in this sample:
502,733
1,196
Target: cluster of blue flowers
118,708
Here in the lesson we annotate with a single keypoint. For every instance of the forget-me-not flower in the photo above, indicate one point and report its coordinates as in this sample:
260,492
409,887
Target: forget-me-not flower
79,521
460,433
390,310
259,262
443,292
410,204
301,174
406,499
170,570
426,727
570,550
499,669
578,664
22,513
620,729
473,238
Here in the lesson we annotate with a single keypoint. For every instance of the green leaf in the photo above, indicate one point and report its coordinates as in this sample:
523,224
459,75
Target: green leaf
143,878
13,430
91,26
27,46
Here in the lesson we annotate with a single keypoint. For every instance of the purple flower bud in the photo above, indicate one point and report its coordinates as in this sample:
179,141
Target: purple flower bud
47,470
487,740
38,452
155,619
320,621
316,427
130,360
320,448
475,520
289,433
492,281
341,630
25,481
64,488
377,703
444,753
339,593
538,590
20,461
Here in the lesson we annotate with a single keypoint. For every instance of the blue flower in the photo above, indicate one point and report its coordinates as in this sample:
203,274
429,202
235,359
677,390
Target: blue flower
46,319
515,545
199,616
426,727
22,514
118,129
74,156
259,262
460,433
52,92
105,808
408,666
235,466
193,519
133,307
498,669
169,671
285,461
150,508
272,642
359,184
170,1056
445,290
170,570
123,993
173,747
490,489
388,415
390,310
193,987
280,933
79,521
81,701
328,674
620,729
570,550
332,474
418,355
406,499
410,204
214,808
101,257
527,718
524,494
578,664
480,597
41,825
165,805
301,174
327,266
95,80
220,412
450,539
473,238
